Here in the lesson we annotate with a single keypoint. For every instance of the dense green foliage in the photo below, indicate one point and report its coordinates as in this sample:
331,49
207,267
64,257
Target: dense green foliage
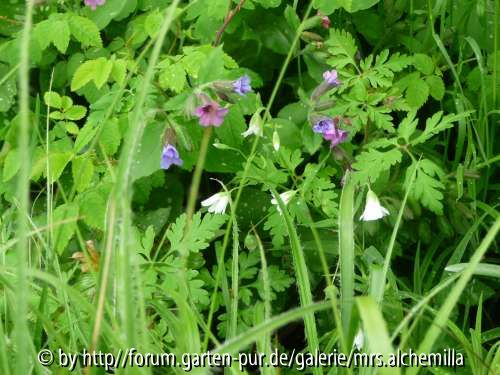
105,247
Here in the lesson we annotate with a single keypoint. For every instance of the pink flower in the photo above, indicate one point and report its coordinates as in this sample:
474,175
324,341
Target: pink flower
211,114
325,22
94,3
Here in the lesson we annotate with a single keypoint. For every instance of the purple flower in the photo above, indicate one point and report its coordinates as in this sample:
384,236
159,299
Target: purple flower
331,77
328,127
170,156
242,85
94,3
211,113
335,136
323,125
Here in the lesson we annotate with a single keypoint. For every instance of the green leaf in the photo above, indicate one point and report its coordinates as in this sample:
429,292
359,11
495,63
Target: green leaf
201,232
436,87
437,123
93,209
84,74
342,46
52,99
119,71
60,35
11,165
92,70
64,221
85,135
57,163
417,93
110,137
173,77
85,31
103,71
76,112
370,164
408,126
83,171
423,63
153,23
213,66
427,186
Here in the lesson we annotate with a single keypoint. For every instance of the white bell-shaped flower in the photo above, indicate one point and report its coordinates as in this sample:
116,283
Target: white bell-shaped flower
373,209
285,197
255,126
217,203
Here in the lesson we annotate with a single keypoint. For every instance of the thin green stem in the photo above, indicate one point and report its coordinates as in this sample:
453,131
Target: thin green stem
22,336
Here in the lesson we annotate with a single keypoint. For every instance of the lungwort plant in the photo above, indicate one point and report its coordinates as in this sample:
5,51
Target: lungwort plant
242,177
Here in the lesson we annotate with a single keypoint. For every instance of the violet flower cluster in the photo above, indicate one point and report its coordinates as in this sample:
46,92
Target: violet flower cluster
209,112
328,127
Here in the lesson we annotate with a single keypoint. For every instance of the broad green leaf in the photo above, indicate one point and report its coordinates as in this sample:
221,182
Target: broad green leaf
148,155
83,171
85,135
76,112
11,165
103,71
436,87
84,74
93,209
60,35
423,63
119,71
173,77
153,23
85,31
57,163
417,93
52,99
64,221
110,137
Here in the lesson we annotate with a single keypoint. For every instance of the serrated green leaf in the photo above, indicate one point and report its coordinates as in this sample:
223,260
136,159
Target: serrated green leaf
76,112
110,137
201,232
57,163
93,209
417,93
85,31
60,35
11,165
64,220
83,171
436,87
173,77
370,164
119,71
52,99
437,123
423,63
84,74
342,46
427,185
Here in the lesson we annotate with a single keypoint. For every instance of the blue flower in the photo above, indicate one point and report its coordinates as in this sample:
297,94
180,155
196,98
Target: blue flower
242,85
331,77
170,156
324,125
